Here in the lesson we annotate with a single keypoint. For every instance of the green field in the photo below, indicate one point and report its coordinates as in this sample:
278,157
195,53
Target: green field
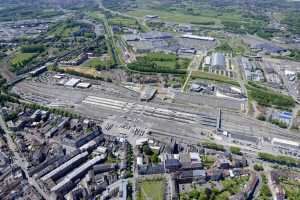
95,15
180,16
25,12
268,97
94,62
128,22
99,63
173,16
122,21
20,60
151,189
160,63
231,20
166,60
64,31
213,77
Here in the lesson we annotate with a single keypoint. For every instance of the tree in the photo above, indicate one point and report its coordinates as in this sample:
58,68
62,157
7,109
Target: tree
154,158
235,150
258,167
265,191
147,150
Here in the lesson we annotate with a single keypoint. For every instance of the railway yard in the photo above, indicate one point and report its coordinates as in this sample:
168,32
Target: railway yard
104,101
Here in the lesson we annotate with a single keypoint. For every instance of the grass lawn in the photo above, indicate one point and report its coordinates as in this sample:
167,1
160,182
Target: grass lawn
99,63
166,60
122,21
153,189
94,62
213,77
168,64
160,63
63,30
95,15
21,57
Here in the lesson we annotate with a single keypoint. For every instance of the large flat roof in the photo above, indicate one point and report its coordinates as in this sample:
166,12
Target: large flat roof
63,166
196,37
77,171
72,82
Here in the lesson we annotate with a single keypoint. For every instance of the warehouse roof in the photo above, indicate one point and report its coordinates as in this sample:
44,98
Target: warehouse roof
65,165
76,172
270,48
196,37
83,85
72,82
156,35
218,59
172,163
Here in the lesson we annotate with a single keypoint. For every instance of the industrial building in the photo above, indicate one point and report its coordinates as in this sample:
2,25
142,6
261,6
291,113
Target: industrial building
131,37
285,117
290,74
207,61
76,61
282,116
269,48
155,35
72,82
67,166
229,92
69,180
83,85
192,176
195,37
151,17
76,143
251,72
38,71
148,93
218,61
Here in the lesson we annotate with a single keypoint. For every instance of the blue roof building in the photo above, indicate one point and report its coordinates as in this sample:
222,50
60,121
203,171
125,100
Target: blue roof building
270,48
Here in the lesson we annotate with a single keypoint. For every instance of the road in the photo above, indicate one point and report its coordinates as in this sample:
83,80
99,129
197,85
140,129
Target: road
18,160
194,65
